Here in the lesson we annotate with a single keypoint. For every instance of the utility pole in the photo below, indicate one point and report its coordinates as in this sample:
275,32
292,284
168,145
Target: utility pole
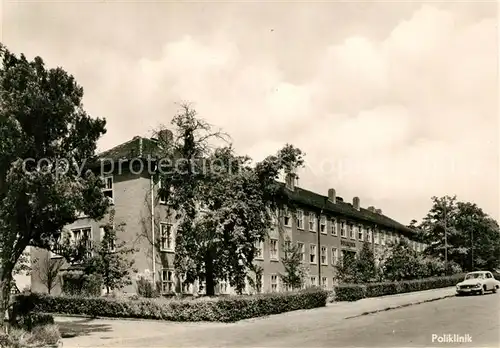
472,250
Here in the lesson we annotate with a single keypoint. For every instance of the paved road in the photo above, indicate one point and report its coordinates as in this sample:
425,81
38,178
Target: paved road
414,326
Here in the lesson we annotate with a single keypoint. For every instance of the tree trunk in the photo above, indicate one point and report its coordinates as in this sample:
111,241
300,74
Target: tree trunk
5,287
209,275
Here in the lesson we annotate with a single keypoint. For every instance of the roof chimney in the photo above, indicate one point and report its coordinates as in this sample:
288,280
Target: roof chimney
332,195
290,181
371,208
378,211
355,203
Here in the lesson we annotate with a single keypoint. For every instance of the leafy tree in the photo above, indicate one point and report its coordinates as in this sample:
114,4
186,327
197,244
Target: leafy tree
48,271
292,263
110,259
473,238
45,139
365,264
402,263
346,271
238,198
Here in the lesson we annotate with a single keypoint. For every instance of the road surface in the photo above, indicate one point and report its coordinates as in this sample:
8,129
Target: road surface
475,318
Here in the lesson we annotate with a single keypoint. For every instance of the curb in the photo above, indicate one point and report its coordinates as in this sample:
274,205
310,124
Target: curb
400,306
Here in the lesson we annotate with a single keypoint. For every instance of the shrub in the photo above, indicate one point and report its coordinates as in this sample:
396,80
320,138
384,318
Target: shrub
227,309
41,336
350,292
382,289
146,288
354,292
81,284
34,319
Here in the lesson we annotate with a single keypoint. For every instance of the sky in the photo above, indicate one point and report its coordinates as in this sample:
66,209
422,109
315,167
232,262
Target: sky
393,102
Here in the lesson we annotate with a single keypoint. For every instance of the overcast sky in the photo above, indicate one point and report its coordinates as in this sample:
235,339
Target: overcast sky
391,102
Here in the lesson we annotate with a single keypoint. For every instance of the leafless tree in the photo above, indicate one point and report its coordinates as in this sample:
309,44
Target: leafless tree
48,272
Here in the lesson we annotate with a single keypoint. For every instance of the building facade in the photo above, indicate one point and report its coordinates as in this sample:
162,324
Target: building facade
324,226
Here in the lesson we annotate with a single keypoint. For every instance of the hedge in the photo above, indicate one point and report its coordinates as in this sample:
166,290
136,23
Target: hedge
354,292
227,309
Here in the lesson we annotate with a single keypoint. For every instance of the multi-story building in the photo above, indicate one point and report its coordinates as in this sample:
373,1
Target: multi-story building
325,227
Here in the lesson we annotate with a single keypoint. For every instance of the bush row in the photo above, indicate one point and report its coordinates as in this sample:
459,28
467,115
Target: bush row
227,309
354,292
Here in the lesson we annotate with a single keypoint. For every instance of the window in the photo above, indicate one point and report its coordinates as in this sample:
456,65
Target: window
273,250
302,251
322,224
343,230
82,237
382,237
187,288
324,255
324,282
313,281
274,283
300,219
287,221
259,250
361,233
312,222
108,188
312,253
369,235
335,256
56,248
351,231
333,227
167,242
274,218
110,238
161,197
287,247
376,237
223,286
167,280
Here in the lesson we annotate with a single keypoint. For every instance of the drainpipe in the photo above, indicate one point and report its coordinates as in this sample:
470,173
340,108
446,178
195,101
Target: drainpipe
318,232
153,227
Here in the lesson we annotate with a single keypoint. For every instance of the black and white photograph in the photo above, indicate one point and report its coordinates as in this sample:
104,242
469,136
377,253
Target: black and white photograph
249,173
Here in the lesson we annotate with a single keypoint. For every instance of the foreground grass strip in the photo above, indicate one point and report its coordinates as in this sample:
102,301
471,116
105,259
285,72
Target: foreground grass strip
400,306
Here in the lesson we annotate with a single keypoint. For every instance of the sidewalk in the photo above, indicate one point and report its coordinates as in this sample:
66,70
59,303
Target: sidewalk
135,333
375,304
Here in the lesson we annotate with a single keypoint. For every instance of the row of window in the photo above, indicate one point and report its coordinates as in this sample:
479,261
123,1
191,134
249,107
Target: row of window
275,283
84,236
274,251
108,189
354,231
167,242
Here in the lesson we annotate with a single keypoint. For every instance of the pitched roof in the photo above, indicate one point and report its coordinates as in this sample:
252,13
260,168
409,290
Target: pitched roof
312,199
140,147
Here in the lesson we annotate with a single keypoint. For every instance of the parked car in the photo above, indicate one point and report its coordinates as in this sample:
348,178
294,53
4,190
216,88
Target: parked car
478,283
